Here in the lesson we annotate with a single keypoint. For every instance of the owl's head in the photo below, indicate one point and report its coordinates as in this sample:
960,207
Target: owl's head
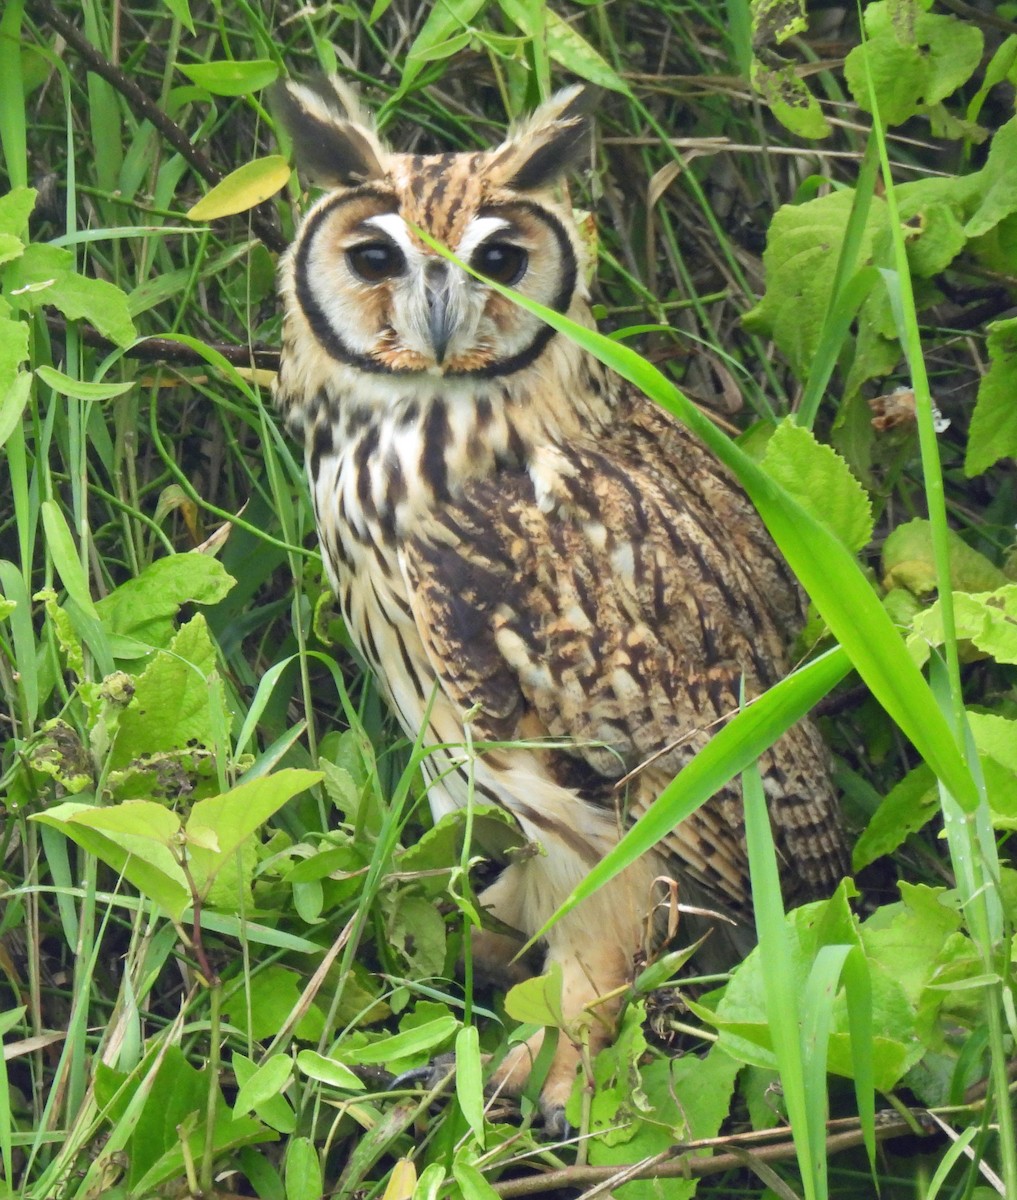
368,289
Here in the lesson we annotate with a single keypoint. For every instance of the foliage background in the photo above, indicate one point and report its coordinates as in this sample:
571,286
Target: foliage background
208,709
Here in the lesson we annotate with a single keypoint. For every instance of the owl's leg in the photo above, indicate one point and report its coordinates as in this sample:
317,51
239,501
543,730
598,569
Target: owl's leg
593,951
494,953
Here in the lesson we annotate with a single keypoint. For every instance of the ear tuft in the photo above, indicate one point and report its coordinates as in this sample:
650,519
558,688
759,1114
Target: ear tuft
334,141
548,144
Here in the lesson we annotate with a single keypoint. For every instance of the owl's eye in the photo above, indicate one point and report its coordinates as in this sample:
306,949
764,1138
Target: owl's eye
374,261
501,261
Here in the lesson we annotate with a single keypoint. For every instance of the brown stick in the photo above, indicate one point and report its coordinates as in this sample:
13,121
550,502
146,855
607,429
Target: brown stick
145,107
157,349
682,1164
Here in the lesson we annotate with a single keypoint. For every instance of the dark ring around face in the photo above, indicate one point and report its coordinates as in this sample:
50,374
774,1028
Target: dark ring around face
333,343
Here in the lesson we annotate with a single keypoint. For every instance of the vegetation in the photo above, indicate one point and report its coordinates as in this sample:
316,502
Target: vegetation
228,921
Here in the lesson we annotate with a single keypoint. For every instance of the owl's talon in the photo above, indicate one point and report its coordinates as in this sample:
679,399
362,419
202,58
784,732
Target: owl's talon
433,1075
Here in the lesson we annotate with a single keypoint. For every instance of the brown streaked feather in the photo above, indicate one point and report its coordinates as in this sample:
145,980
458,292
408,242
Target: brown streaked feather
625,620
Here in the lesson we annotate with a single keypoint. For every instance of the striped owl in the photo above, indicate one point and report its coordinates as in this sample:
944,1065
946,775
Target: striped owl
521,541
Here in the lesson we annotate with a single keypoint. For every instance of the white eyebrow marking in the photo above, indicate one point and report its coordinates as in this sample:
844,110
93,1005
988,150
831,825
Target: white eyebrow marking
478,230
393,225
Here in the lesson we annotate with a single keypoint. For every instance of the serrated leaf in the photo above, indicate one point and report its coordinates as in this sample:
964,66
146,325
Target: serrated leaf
911,73
801,261
170,708
13,350
997,183
988,620
910,805
822,483
144,607
993,432
230,78
243,189
44,275
10,247
79,389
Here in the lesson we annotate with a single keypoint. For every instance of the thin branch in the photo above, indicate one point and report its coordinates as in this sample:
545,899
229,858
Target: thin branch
157,349
685,1163
143,106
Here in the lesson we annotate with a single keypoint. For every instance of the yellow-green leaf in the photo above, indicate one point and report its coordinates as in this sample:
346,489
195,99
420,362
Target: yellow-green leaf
243,188
228,78
79,389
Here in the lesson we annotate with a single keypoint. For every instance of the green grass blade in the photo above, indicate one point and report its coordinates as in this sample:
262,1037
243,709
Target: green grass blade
729,751
829,574
783,1010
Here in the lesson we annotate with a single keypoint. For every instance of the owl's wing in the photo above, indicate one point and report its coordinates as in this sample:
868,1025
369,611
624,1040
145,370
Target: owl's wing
620,611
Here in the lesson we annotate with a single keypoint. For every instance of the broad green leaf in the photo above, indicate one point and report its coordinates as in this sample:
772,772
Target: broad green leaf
821,482
801,263
470,1080
473,1185
572,51
988,620
908,562
907,807
264,1083
273,994
15,209
181,9
993,431
910,74
13,403
243,188
13,350
232,817
443,22
230,78
79,389
419,1040
996,194
46,275
170,708
788,97
146,863
139,819
537,1001
328,1070
10,247
429,1185
144,607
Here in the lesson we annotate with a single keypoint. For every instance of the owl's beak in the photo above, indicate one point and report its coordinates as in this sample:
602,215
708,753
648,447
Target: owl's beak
442,314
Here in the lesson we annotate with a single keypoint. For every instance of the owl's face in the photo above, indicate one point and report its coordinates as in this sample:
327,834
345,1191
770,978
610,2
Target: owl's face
372,292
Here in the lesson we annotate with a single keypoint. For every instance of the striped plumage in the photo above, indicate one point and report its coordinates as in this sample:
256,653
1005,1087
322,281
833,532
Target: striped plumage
520,539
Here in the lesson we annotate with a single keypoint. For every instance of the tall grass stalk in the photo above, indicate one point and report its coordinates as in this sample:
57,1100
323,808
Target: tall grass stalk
973,851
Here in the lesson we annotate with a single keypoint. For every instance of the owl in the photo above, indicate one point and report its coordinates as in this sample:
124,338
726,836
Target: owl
522,543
